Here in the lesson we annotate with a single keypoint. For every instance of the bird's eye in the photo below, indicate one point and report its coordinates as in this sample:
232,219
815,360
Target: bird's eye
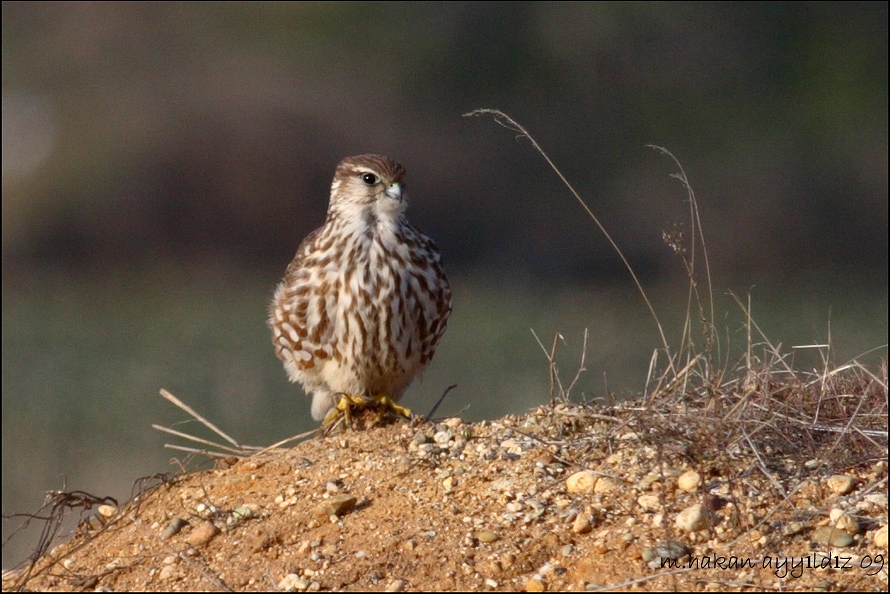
369,178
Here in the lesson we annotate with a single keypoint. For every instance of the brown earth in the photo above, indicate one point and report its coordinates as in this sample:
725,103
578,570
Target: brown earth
490,506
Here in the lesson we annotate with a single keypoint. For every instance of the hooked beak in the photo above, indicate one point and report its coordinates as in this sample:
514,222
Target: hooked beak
394,191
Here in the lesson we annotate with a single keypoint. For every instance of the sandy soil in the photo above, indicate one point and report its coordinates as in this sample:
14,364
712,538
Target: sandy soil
564,498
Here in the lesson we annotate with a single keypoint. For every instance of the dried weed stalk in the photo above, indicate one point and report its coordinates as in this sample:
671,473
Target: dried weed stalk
759,415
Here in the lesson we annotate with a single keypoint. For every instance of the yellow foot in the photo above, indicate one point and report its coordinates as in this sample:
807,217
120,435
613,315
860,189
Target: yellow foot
350,404
387,403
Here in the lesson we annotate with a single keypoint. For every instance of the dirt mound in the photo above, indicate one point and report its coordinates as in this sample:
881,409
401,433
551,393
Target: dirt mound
568,497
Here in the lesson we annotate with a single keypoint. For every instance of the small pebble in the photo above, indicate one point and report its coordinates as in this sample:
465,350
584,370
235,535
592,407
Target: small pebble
203,534
534,585
395,586
167,573
244,512
880,537
671,549
793,528
421,438
649,502
581,482
486,536
338,505
293,583
693,519
106,511
173,528
582,524
847,523
689,481
840,484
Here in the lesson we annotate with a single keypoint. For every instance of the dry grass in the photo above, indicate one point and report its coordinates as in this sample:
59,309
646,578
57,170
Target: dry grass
794,423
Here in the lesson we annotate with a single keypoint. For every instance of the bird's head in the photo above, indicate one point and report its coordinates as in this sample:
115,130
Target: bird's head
371,187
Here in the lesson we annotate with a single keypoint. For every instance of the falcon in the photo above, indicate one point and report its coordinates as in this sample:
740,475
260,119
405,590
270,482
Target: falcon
365,301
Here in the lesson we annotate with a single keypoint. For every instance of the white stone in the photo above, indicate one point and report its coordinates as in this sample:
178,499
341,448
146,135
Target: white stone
581,482
689,481
107,511
847,523
840,484
693,518
293,583
649,502
582,524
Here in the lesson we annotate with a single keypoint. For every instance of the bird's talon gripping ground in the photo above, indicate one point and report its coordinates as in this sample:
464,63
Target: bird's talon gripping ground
349,404
387,403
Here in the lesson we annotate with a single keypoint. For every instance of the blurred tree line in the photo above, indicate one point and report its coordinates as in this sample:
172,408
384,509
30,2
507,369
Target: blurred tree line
138,132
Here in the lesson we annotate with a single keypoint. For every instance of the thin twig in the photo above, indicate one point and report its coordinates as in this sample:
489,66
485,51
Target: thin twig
511,124
581,368
191,411
237,451
440,400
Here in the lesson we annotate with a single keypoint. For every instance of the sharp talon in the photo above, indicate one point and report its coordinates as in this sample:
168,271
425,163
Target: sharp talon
342,411
349,404
388,403
333,416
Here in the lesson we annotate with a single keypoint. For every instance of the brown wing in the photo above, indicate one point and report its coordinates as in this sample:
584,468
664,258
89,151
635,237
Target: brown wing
436,290
303,306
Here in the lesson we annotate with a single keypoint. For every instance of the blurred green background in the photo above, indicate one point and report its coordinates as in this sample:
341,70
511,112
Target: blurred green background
162,161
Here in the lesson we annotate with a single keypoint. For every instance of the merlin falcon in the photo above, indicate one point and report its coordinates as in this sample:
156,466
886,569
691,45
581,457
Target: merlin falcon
365,301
